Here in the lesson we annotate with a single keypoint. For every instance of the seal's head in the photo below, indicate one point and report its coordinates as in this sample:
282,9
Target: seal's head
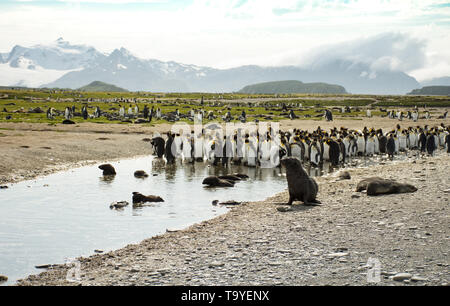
291,162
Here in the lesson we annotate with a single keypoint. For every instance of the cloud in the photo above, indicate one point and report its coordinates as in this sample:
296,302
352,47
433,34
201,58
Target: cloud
387,51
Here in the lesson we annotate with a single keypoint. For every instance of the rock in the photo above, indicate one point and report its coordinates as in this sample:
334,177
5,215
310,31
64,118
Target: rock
231,202
284,208
355,196
345,175
98,251
140,174
399,277
4,187
118,204
215,264
108,169
338,254
3,278
67,121
215,202
171,230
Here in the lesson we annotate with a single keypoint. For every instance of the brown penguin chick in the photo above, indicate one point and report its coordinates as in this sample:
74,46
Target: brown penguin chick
108,169
301,187
140,198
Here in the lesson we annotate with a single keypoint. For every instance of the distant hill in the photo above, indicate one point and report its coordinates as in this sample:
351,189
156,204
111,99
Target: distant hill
97,86
281,87
432,91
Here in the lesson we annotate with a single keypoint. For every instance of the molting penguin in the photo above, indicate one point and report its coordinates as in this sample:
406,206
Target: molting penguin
431,144
334,152
390,146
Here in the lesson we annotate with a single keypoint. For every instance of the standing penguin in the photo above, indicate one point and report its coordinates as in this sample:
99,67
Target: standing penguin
431,144
390,146
314,153
422,141
84,112
158,144
334,151
447,142
168,149
146,111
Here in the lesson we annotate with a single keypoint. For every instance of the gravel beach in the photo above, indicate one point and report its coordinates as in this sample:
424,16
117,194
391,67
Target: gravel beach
266,242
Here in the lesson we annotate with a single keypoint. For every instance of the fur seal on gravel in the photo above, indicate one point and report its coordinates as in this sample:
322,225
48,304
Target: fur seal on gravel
301,186
377,186
108,169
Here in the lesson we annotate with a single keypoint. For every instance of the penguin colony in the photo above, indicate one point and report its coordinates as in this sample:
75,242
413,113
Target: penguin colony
265,150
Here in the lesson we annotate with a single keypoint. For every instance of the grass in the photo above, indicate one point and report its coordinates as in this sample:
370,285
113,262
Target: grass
312,105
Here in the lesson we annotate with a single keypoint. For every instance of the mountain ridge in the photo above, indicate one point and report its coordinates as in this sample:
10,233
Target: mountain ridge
62,65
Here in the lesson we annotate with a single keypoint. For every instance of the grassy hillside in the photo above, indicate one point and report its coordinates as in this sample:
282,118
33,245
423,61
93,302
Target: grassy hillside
432,91
98,86
282,87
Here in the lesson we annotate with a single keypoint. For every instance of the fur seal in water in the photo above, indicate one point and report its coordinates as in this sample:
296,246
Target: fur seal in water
140,198
108,169
118,204
301,186
214,181
140,174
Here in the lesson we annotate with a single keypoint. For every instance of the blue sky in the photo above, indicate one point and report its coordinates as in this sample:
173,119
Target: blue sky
225,33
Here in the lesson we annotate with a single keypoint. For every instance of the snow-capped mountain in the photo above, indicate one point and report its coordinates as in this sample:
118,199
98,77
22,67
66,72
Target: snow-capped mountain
42,64
63,65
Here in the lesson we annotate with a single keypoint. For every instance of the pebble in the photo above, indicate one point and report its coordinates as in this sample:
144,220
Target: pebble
216,264
98,251
284,209
3,278
401,276
338,254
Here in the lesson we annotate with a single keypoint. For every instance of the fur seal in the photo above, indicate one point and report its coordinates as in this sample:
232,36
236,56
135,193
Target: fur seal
118,204
108,169
301,186
140,174
214,181
377,186
140,198
230,177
